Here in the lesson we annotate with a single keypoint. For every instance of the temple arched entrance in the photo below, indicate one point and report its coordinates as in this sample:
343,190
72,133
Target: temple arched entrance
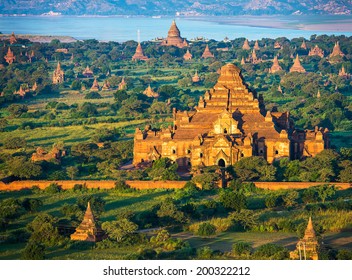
221,163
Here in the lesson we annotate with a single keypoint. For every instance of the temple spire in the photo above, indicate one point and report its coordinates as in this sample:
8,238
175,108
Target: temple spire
297,67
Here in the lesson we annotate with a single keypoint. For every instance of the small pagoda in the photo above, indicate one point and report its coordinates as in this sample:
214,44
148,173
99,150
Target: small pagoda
337,51
207,53
122,84
316,51
139,55
242,61
297,67
58,75
187,55
95,86
276,66
87,72
13,38
304,45
254,59
88,230
34,87
9,57
196,78
343,73
106,85
318,94
308,247
150,92
246,45
21,92
256,46
277,45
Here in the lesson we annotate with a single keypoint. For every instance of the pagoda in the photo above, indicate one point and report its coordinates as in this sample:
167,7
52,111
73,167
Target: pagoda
337,51
174,37
318,94
106,85
316,51
256,46
21,92
87,72
304,45
276,66
58,75
229,123
150,92
187,55
139,55
9,57
95,86
122,84
207,53
88,230
277,45
343,73
246,45
34,87
196,78
242,61
297,67
279,89
307,248
254,59
13,38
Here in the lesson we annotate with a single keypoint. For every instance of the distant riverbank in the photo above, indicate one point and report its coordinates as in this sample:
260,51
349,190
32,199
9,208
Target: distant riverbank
125,28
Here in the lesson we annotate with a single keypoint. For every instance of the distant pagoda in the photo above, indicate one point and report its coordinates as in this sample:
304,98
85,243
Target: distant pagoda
150,92
174,37
207,53
139,55
256,46
106,85
58,75
87,72
254,59
308,247
13,38
95,86
196,78
21,92
122,84
88,230
277,45
242,61
316,51
9,57
337,51
304,45
343,73
35,86
318,94
246,45
187,55
297,67
276,66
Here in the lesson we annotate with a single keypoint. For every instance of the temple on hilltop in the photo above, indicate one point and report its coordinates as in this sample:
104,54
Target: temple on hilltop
187,55
337,51
88,230
297,67
307,248
276,66
95,86
229,123
13,38
245,45
9,57
207,53
174,37
87,72
58,75
150,92
139,55
316,51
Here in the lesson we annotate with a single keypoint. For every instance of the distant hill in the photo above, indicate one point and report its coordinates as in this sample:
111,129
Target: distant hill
172,7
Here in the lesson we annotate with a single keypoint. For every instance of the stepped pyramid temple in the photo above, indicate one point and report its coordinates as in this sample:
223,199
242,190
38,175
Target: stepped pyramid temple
337,51
174,37
58,75
207,53
229,123
9,57
308,247
139,55
297,67
87,72
246,45
150,92
187,56
95,86
276,66
88,230
316,51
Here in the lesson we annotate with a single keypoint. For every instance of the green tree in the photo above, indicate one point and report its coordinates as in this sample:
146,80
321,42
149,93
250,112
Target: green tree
206,229
325,192
241,249
22,168
169,211
119,229
72,172
17,110
290,198
163,169
43,230
14,143
233,199
33,251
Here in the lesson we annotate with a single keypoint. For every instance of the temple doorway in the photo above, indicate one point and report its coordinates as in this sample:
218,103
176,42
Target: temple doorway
221,163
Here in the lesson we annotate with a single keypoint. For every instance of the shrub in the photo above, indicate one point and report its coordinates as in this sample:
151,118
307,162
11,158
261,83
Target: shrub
14,143
233,200
241,248
33,251
53,188
271,251
206,229
204,253
92,95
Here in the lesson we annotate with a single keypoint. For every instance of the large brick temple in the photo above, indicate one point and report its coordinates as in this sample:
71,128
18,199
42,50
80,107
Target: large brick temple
229,123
